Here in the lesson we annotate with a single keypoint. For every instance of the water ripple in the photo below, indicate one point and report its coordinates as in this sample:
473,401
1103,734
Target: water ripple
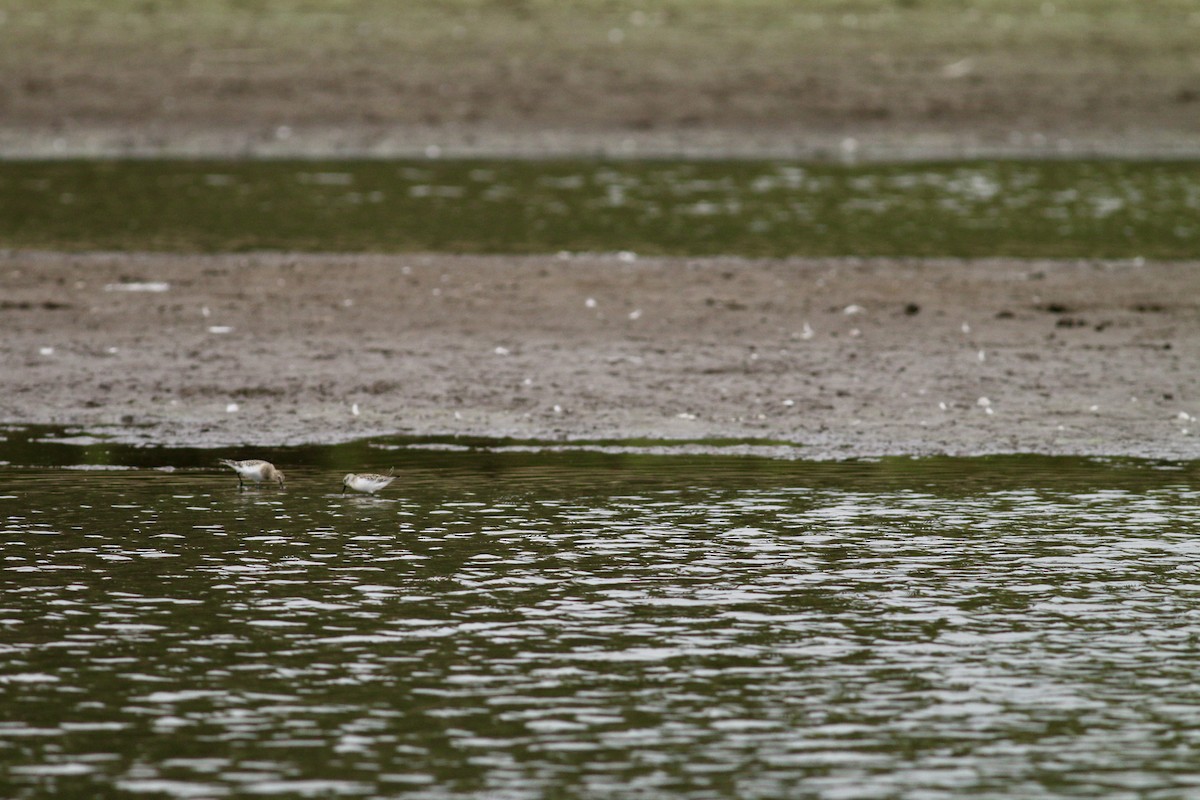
695,637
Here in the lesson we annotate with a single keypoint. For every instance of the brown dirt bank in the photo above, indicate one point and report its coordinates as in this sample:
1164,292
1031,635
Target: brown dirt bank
841,357
872,78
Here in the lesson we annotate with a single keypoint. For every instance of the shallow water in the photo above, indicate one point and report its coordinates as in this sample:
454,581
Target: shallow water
524,625
1029,209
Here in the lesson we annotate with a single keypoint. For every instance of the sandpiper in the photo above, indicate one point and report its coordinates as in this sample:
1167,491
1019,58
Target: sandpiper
254,469
367,482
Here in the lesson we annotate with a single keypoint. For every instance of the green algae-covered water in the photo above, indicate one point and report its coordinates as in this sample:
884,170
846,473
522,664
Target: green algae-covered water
595,625
978,209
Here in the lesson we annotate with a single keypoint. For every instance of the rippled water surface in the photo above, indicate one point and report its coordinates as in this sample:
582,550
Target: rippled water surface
522,625
973,209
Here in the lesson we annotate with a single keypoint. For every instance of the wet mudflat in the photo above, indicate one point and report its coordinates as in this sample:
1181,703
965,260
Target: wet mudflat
537,77
838,357
595,624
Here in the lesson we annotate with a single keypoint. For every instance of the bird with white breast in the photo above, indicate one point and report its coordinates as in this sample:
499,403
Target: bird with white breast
255,470
366,482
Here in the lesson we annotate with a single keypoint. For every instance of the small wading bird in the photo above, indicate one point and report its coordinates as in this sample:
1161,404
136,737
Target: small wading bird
254,469
366,482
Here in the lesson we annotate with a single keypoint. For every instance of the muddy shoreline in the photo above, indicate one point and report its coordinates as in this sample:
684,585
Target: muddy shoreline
406,142
715,79
838,357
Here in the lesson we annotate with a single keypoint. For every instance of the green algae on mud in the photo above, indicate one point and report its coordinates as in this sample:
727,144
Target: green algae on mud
1027,209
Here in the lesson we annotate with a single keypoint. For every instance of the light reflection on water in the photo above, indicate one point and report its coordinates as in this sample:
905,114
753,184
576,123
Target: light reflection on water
664,629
